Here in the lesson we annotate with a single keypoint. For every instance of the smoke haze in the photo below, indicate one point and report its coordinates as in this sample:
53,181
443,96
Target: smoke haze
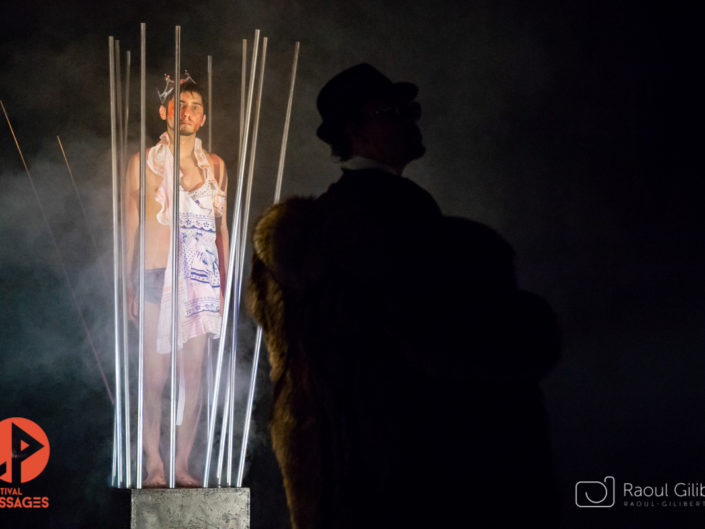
546,121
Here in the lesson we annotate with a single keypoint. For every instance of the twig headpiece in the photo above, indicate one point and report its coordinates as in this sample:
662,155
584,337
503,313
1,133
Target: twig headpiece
169,85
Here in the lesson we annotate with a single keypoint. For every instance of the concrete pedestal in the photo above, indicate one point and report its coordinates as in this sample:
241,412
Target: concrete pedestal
190,509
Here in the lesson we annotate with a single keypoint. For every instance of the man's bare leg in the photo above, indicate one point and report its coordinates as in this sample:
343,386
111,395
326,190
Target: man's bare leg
156,369
192,362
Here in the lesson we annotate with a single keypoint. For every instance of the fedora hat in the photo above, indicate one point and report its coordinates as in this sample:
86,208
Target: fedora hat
340,100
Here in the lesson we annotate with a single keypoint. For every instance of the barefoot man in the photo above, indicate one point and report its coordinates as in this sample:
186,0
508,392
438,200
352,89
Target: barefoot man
202,262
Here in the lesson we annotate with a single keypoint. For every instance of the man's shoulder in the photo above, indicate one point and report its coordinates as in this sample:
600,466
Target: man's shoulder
375,190
135,158
368,181
133,165
214,158
134,162
217,164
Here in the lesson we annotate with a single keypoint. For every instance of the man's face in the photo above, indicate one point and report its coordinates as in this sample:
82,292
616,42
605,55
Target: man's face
191,117
391,128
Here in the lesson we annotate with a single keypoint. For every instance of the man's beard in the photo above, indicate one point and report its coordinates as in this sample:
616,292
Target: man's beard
183,132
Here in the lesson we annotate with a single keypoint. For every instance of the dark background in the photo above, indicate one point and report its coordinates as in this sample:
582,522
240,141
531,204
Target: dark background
565,126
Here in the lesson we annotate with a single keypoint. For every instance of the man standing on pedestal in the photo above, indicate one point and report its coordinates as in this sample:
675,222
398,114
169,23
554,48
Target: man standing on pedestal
202,262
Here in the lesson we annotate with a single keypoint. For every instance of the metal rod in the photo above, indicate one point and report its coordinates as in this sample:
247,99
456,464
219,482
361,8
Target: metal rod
245,220
113,473
117,445
128,64
251,167
230,392
287,123
142,220
126,351
116,254
175,251
234,241
248,412
124,276
224,431
243,88
229,424
210,102
121,263
240,263
118,87
209,375
242,159
258,338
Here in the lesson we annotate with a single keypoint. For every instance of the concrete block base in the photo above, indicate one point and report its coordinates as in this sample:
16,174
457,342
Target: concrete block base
190,508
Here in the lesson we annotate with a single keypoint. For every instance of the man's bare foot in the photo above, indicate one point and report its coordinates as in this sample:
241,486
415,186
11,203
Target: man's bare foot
184,479
155,479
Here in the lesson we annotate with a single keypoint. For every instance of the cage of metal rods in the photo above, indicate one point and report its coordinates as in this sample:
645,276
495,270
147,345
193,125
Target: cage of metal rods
220,465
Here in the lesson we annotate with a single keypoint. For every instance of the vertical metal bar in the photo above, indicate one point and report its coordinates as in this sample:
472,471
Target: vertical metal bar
210,102
258,339
116,255
113,473
209,356
128,66
125,344
175,251
251,168
243,235
243,89
209,341
120,115
224,430
122,287
142,220
230,424
209,375
125,275
248,412
234,242
250,171
240,263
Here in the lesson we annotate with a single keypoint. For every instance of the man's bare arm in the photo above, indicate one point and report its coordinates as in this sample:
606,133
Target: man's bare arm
132,217
222,234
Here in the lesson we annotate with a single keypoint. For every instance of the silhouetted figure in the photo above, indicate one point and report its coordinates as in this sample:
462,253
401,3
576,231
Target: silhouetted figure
404,358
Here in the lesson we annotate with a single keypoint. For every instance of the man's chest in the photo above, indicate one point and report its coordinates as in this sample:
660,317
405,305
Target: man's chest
191,176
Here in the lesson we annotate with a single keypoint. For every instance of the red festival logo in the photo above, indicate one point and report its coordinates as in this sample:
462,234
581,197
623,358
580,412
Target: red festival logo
24,450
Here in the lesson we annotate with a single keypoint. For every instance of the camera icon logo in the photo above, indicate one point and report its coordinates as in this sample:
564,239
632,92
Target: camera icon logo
595,493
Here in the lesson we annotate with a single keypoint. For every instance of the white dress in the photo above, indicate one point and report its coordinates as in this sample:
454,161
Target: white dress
198,266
